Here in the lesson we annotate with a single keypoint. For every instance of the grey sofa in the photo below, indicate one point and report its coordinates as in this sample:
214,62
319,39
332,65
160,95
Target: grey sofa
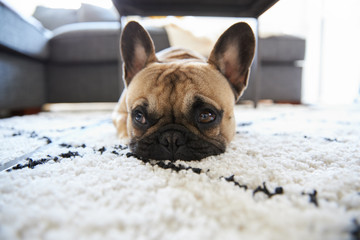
281,59
74,59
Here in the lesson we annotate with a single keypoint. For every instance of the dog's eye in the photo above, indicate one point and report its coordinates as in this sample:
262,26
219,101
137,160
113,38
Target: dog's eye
206,116
139,117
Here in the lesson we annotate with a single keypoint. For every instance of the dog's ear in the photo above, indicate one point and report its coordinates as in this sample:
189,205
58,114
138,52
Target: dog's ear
233,54
137,50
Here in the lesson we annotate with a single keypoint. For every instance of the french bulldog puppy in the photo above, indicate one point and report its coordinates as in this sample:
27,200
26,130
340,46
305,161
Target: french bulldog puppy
176,104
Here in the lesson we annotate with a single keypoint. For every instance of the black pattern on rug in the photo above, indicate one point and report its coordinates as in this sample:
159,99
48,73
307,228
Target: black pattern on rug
355,232
32,163
29,134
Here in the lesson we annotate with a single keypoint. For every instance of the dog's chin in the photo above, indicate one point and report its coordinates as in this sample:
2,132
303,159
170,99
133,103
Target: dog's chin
175,143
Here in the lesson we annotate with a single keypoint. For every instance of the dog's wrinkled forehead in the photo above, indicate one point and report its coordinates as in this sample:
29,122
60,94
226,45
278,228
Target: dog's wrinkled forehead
173,85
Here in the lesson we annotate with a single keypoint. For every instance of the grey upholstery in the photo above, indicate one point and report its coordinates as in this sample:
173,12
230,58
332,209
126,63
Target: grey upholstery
79,42
22,82
23,50
281,83
94,82
86,42
282,49
22,36
75,62
281,74
59,17
91,13
84,62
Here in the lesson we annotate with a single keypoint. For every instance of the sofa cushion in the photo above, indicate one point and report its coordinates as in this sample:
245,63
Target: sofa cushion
86,42
19,34
52,18
94,42
282,48
91,13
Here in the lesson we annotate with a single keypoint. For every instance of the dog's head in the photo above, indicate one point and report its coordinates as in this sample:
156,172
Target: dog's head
179,105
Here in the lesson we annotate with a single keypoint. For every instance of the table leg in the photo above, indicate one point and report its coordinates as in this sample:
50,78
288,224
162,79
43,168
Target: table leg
257,67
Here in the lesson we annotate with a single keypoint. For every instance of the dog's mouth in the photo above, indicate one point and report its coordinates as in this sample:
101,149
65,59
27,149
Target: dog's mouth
175,142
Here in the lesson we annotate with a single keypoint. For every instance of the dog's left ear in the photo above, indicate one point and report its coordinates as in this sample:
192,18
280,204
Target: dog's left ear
137,50
233,54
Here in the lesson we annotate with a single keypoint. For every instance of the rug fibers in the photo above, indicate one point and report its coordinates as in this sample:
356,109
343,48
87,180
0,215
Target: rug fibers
292,172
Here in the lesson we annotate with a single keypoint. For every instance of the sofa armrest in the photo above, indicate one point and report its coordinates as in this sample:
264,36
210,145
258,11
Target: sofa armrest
20,35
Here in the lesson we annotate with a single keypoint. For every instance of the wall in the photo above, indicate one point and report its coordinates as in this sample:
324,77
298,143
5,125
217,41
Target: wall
332,29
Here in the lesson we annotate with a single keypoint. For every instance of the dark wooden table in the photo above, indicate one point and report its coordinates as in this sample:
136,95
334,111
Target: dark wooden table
216,8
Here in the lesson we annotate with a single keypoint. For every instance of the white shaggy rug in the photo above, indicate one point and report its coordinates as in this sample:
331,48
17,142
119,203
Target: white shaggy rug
291,172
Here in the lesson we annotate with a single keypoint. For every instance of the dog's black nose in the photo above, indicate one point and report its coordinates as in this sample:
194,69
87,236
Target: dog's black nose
172,140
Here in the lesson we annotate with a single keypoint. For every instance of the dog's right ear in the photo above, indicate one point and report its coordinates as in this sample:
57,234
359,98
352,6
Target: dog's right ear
137,50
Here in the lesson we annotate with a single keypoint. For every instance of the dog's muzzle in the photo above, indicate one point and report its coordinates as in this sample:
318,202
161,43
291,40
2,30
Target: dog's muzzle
175,142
